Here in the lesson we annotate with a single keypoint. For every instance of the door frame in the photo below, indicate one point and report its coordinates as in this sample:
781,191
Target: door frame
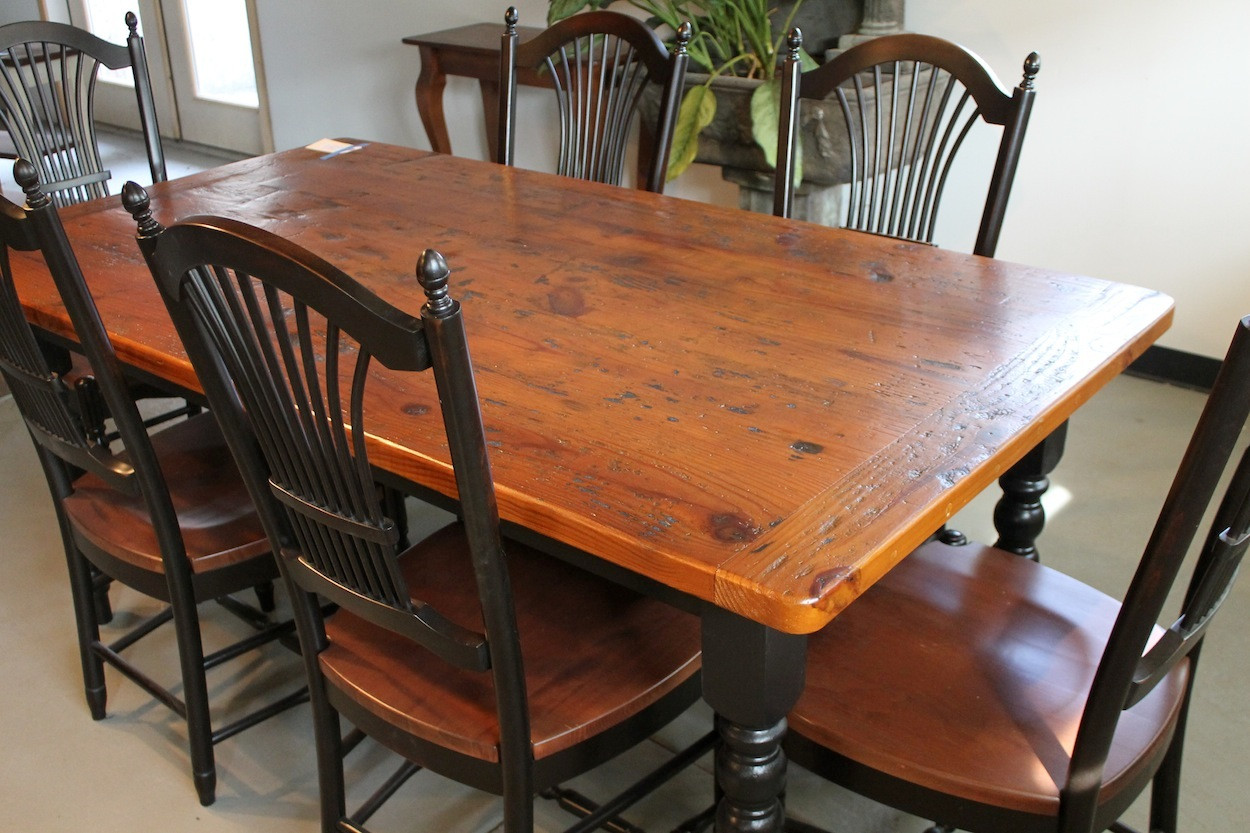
115,103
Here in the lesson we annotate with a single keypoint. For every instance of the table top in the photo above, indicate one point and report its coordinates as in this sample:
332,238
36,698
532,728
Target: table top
763,413
476,37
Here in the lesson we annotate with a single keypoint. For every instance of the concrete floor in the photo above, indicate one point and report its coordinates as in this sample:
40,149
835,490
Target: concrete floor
59,771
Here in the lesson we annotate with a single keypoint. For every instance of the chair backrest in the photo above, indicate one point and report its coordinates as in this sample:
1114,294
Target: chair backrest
284,343
61,426
599,64
908,102
48,80
1129,669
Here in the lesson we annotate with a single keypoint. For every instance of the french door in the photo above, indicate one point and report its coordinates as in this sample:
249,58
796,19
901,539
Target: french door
204,64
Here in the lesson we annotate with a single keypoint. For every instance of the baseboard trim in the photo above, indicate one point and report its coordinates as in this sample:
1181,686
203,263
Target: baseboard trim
1188,370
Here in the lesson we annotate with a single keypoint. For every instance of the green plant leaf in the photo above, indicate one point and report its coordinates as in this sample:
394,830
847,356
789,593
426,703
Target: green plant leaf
765,116
766,121
560,9
697,110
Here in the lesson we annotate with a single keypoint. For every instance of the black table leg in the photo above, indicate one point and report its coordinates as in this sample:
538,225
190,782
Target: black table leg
1019,517
752,676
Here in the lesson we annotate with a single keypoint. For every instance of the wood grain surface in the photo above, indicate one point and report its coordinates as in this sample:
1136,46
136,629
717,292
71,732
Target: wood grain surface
763,413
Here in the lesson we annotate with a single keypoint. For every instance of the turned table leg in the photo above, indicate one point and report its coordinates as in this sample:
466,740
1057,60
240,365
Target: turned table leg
1019,517
752,676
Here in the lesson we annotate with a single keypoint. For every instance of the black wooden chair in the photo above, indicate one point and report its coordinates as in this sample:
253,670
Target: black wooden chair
48,83
599,64
987,691
168,516
510,673
908,101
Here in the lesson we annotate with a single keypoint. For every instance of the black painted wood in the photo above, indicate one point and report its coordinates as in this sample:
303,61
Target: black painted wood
599,63
908,102
754,676
48,75
118,513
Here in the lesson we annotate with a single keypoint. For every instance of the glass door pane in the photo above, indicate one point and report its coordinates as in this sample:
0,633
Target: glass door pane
115,98
221,51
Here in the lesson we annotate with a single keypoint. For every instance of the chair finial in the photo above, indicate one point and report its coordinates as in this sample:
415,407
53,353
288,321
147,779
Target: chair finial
432,274
794,42
510,18
1032,65
132,23
26,175
685,32
136,201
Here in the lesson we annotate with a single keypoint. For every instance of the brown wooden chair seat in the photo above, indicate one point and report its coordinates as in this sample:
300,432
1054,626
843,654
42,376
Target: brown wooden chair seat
164,513
492,664
599,64
596,655
992,693
215,513
981,664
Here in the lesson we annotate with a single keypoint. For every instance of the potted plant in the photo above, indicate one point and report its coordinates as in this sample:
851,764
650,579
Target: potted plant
731,38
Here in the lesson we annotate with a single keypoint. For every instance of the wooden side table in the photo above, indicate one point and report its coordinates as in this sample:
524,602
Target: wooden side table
473,52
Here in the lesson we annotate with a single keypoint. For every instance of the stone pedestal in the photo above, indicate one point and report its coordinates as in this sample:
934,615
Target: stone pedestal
813,202
881,17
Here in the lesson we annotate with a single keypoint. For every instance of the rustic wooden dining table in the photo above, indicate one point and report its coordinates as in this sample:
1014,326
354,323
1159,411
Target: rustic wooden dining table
760,416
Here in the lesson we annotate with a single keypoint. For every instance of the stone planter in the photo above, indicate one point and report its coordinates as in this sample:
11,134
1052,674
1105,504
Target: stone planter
728,142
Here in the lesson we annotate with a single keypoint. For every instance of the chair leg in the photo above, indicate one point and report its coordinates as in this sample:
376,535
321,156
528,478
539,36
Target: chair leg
265,597
328,741
103,607
327,731
195,697
82,589
1165,789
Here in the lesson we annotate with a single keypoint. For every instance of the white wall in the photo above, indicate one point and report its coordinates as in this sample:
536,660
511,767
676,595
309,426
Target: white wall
1133,168
339,69
12,11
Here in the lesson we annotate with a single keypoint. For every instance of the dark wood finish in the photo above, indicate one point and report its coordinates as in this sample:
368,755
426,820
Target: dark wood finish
908,101
472,52
546,671
168,516
681,390
992,693
224,532
600,63
47,90
1019,516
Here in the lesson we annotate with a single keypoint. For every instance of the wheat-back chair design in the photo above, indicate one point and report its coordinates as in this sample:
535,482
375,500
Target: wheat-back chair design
599,63
49,75
497,666
167,515
908,103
